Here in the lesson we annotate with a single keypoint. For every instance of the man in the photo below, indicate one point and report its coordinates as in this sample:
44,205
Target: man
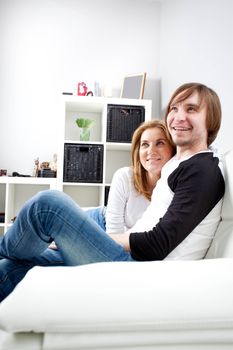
191,183
179,223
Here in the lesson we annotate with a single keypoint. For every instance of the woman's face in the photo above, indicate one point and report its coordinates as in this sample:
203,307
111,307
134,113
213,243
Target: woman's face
154,150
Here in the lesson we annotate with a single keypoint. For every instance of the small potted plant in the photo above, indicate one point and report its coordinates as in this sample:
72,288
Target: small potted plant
85,126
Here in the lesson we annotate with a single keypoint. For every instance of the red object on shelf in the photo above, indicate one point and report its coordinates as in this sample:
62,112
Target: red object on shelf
82,89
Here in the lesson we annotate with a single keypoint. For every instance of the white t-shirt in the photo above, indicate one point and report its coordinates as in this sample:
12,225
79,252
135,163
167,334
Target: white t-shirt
125,204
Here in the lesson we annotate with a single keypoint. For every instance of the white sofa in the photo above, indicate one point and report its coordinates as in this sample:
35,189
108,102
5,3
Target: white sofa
164,305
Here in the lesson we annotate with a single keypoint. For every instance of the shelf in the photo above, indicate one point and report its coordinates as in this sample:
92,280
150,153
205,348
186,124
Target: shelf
83,104
115,154
88,195
15,191
72,131
116,146
27,180
96,104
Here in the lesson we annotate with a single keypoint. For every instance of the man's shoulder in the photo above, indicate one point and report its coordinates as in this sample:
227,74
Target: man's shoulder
201,169
201,160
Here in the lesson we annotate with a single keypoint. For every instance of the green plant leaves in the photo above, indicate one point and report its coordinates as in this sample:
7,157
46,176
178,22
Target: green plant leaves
84,123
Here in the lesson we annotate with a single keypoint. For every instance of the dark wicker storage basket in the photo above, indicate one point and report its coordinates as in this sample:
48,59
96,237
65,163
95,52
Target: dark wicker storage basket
122,121
83,163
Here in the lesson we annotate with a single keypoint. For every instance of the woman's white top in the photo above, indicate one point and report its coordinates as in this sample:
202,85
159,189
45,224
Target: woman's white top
125,205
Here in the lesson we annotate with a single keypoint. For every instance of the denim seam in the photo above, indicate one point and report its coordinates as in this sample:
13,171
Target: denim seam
79,232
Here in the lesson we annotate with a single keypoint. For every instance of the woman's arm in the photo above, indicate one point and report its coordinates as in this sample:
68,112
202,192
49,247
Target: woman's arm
117,201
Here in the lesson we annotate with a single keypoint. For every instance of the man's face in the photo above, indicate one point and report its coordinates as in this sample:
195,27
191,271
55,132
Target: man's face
186,123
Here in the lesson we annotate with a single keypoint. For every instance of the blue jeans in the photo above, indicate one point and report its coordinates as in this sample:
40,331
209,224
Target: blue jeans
53,216
98,214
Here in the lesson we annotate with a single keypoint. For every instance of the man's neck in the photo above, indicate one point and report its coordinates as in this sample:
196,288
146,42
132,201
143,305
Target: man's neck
183,153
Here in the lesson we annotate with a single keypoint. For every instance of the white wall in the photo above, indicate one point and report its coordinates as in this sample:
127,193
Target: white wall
49,45
196,45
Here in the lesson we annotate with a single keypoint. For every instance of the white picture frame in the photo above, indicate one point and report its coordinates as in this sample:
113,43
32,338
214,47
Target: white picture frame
133,86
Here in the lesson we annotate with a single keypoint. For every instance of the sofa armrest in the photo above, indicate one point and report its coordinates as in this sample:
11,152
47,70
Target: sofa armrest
122,296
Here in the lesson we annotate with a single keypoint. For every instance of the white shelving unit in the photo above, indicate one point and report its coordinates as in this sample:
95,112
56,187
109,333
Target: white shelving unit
115,154
15,191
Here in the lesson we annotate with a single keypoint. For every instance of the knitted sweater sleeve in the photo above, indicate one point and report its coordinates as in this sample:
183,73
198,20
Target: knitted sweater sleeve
198,185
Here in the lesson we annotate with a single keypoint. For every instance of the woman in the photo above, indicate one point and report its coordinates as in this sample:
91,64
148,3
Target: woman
132,186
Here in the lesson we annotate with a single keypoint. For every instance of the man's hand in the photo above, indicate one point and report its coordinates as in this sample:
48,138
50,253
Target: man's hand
122,239
53,246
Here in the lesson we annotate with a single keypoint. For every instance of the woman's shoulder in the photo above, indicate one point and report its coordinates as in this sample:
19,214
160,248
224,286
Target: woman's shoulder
126,171
123,178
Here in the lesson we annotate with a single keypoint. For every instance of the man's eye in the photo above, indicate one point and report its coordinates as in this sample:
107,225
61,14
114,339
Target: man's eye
191,109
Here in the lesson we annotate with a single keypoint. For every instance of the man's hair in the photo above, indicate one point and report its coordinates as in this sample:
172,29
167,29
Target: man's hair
209,98
139,172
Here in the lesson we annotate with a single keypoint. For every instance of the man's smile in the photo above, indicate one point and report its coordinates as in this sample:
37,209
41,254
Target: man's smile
181,128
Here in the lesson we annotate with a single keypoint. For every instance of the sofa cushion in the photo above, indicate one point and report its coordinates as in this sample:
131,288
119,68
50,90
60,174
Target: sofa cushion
111,297
222,244
227,208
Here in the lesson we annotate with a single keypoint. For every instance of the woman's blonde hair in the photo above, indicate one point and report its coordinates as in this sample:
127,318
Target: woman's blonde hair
139,172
